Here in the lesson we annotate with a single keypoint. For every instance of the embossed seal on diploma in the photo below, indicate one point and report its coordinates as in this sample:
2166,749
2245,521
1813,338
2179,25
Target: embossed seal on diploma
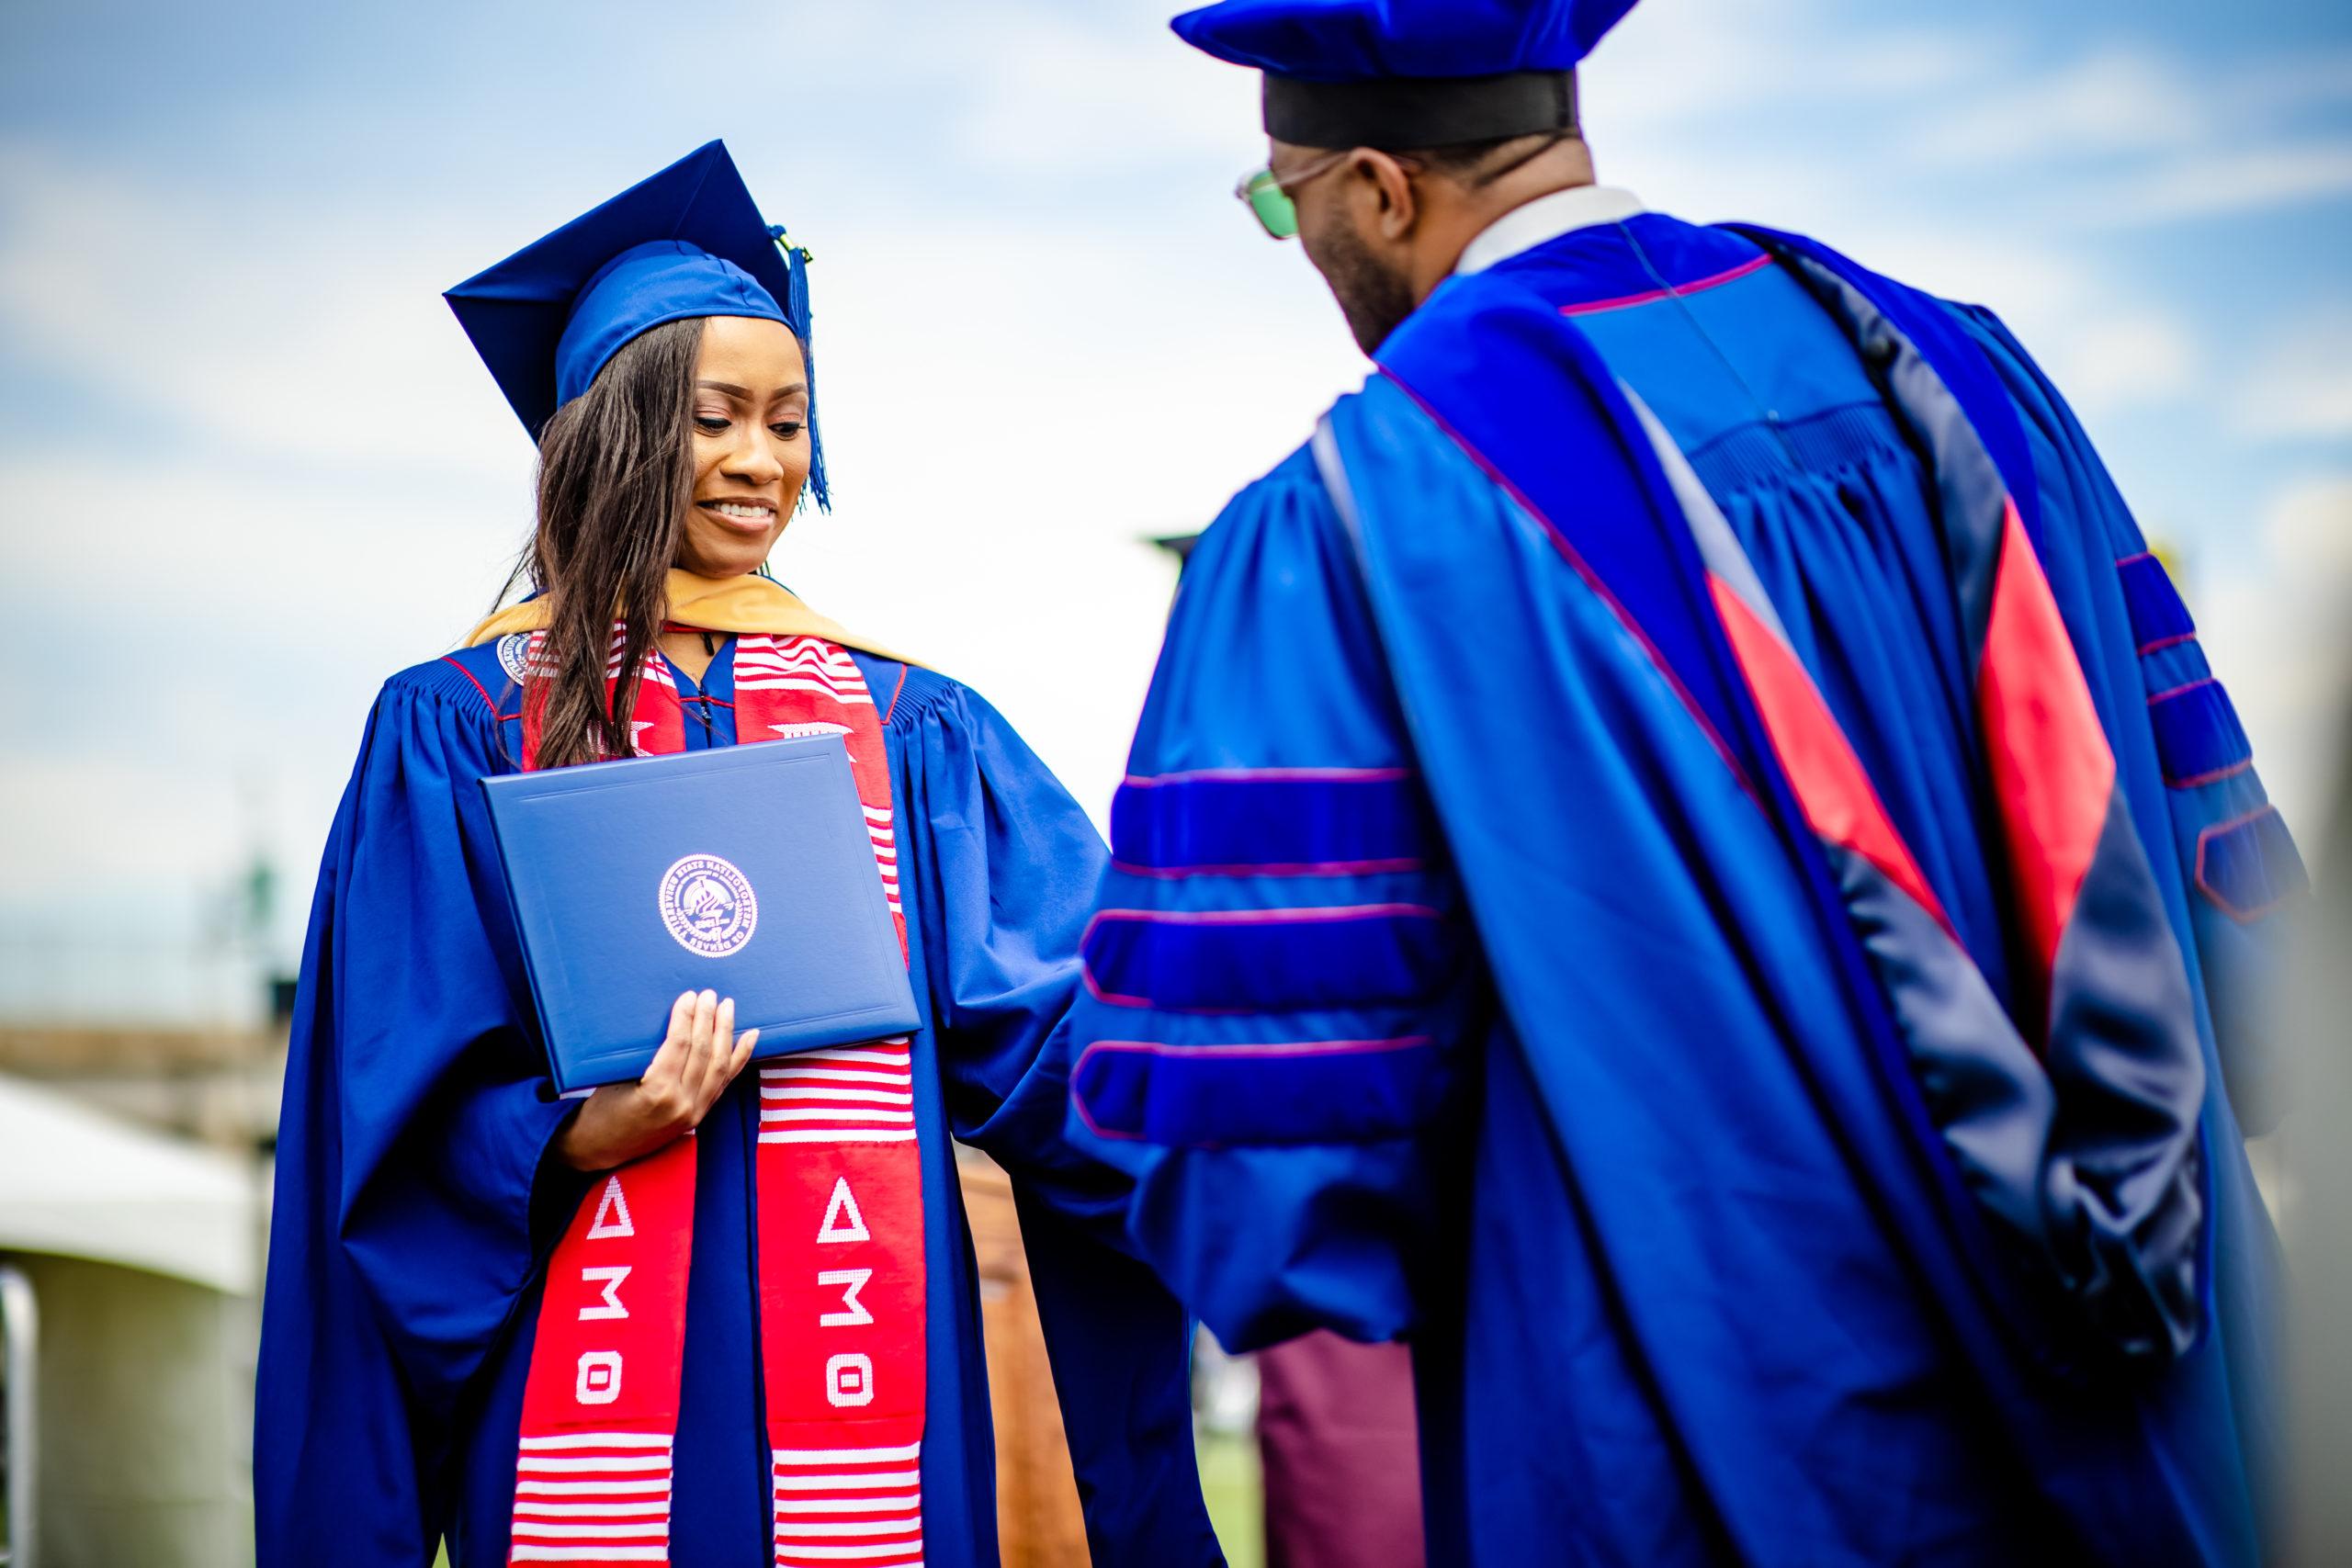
708,906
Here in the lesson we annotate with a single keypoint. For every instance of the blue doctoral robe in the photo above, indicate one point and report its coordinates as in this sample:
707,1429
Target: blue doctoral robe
416,1201
1457,979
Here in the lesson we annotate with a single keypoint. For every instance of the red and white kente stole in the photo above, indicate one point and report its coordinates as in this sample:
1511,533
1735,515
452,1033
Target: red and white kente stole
838,1184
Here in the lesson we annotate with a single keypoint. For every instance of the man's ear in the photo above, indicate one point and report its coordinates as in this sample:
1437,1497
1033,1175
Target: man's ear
1396,204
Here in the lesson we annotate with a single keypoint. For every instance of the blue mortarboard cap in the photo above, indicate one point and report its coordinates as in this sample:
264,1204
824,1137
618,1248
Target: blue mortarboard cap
689,241
1399,74
661,280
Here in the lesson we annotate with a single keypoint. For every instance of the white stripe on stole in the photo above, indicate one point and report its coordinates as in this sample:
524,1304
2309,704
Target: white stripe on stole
830,1514
591,1497
808,1098
818,1483
843,1075
536,1462
831,1093
800,685
602,1440
900,1058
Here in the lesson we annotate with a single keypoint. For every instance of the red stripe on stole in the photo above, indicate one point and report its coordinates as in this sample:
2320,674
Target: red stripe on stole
2051,771
1836,794
600,1403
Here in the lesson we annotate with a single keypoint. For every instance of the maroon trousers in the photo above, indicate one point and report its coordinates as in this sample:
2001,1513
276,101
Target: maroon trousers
1342,1456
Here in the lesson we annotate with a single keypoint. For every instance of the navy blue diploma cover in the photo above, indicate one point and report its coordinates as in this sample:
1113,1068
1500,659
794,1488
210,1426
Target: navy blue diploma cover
745,870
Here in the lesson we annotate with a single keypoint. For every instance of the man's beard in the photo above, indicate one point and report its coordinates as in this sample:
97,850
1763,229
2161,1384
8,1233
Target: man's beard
1375,298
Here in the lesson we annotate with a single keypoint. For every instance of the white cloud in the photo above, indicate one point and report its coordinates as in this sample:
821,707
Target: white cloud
2276,85
2116,101
220,555
312,329
1767,62
2204,184
1062,97
2300,386
2126,97
2108,362
1023,89
2129,136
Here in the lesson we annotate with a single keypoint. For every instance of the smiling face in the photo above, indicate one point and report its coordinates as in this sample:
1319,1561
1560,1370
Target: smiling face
750,443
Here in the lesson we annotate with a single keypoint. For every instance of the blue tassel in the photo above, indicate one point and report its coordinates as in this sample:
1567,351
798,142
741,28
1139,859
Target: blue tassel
795,305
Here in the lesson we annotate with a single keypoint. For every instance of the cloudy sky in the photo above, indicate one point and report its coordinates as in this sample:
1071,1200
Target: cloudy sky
248,466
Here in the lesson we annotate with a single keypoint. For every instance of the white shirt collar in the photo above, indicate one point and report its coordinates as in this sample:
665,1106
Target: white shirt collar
1546,218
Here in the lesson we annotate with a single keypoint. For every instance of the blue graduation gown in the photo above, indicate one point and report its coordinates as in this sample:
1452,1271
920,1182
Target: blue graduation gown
1454,982
416,1201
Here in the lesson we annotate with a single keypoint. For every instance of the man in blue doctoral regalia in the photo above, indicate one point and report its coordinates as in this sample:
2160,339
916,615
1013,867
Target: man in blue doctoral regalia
1684,857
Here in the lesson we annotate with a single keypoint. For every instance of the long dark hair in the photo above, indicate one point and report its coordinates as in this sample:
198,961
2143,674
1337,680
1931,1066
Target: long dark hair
615,478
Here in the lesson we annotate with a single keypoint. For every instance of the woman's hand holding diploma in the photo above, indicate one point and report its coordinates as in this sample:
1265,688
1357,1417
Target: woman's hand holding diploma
698,1059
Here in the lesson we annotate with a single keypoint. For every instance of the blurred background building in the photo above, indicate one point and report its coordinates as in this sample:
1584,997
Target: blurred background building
248,466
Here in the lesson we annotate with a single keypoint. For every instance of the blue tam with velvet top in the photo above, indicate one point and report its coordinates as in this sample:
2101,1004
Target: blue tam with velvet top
1408,73
686,242
1356,40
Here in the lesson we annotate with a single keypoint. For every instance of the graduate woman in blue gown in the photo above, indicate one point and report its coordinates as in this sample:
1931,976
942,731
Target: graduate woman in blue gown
425,1168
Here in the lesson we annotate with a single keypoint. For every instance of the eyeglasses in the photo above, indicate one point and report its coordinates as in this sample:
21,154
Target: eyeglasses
1268,197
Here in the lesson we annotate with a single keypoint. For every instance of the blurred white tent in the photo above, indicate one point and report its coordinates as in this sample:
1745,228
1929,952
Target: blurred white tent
141,1254
79,1184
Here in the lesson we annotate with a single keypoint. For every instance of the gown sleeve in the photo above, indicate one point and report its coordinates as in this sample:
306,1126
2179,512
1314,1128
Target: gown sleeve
2234,857
1008,868
1277,983
410,1206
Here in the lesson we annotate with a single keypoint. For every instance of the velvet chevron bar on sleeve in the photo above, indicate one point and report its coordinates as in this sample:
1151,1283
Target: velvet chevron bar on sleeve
1278,939
1271,822
1279,955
